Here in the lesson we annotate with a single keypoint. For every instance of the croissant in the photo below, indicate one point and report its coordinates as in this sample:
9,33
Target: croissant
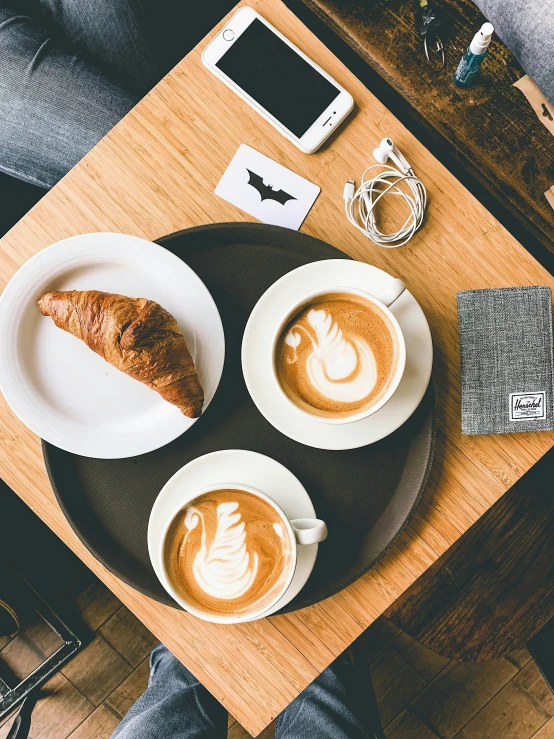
135,335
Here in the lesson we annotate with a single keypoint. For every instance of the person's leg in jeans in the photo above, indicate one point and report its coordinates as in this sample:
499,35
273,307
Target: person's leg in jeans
174,706
137,41
339,704
71,69
54,104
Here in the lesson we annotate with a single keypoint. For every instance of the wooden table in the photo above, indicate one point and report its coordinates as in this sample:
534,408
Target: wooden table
488,131
154,174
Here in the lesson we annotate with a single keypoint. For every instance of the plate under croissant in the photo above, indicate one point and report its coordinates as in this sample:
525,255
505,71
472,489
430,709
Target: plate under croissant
66,393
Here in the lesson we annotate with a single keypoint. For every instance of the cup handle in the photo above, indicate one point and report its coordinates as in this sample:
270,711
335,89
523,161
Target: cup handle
309,530
392,292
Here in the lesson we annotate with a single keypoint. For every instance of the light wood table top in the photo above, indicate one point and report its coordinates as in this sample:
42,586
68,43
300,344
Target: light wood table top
154,174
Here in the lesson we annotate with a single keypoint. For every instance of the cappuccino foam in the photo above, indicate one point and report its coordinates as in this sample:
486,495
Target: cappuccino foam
337,355
228,553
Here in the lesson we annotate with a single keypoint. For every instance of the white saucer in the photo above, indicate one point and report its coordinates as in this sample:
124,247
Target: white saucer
249,468
69,395
265,321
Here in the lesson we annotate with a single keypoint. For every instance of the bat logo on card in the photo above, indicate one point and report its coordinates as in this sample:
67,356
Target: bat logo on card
266,191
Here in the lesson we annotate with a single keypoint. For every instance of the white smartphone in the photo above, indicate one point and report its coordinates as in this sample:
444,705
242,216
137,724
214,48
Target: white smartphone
296,96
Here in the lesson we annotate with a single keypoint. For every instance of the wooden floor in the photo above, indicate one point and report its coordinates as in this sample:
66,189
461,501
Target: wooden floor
420,695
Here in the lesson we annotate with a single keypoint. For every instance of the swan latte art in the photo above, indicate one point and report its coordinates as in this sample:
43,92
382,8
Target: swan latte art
337,355
228,553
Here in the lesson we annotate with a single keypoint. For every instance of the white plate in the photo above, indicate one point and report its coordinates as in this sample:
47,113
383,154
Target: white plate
69,395
248,468
257,359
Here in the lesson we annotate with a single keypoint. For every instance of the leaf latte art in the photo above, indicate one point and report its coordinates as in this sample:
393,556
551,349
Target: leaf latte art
228,552
336,355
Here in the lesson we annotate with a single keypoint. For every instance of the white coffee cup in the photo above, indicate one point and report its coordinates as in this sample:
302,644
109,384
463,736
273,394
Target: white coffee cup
387,297
301,531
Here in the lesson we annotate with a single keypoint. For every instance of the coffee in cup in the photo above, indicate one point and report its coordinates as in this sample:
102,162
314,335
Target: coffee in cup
229,553
339,355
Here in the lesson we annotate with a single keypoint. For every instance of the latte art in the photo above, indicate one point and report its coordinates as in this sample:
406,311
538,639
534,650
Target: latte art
340,369
228,552
336,355
222,568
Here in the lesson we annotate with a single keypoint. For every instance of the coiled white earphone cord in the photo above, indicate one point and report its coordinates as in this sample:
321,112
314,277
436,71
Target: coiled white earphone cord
360,204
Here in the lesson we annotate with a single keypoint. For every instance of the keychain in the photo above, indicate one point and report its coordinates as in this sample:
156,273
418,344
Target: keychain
429,19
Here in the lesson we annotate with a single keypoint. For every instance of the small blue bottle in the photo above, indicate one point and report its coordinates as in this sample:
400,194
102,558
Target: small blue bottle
473,56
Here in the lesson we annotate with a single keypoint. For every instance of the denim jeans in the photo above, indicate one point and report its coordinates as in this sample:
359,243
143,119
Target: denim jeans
71,69
337,705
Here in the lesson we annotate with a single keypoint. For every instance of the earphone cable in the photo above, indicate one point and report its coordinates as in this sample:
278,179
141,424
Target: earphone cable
360,204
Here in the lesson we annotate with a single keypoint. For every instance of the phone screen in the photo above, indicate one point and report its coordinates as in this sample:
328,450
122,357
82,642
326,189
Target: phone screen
278,78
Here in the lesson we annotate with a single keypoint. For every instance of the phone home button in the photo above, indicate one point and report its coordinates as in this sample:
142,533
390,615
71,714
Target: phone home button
228,35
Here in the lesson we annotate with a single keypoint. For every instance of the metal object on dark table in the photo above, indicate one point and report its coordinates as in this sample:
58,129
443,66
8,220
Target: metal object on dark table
429,19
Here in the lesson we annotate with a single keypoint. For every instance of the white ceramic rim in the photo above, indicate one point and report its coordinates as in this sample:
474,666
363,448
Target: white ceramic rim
256,355
399,367
255,470
213,618
48,265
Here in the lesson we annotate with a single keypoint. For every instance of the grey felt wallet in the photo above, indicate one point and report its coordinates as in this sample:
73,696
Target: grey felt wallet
506,357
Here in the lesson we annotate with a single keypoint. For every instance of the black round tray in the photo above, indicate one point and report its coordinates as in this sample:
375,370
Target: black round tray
365,495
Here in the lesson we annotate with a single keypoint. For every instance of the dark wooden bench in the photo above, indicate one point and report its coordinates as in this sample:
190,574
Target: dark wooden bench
490,129
494,589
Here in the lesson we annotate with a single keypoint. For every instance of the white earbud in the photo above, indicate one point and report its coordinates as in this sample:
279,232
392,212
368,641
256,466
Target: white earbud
387,150
378,182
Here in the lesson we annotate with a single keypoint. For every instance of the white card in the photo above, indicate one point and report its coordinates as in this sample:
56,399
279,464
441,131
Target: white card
266,190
